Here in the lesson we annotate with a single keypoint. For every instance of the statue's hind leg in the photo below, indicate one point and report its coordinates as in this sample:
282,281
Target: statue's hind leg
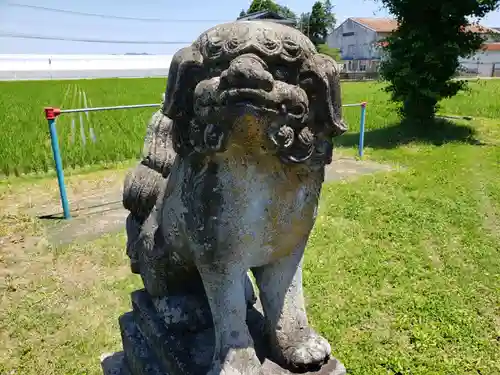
295,344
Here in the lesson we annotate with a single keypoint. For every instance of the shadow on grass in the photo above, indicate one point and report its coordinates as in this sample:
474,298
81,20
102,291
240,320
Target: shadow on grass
437,133
56,217
104,207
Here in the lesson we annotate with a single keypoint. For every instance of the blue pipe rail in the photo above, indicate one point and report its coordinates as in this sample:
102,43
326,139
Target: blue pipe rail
95,109
52,113
59,169
362,121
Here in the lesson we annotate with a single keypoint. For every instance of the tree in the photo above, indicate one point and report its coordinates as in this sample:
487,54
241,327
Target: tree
331,20
321,22
286,12
270,5
422,54
303,23
261,5
316,25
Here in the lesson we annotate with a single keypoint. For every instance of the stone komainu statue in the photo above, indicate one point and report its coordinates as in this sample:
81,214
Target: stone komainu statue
229,183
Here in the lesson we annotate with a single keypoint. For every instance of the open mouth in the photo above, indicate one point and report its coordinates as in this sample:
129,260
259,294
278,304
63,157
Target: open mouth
241,97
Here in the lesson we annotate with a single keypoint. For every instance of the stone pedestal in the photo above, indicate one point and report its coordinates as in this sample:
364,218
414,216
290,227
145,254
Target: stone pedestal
150,347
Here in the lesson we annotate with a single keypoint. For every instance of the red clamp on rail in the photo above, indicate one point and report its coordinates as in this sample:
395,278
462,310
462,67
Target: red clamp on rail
363,104
51,113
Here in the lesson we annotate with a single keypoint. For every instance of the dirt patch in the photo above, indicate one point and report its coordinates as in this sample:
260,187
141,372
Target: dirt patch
41,197
491,218
346,168
96,200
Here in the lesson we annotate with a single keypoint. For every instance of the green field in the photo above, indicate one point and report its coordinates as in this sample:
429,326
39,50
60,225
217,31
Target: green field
402,270
25,144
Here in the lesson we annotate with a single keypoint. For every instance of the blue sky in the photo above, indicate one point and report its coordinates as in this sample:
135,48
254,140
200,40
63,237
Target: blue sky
21,20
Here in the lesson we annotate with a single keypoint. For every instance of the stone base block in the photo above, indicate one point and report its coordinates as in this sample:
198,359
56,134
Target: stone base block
113,364
152,348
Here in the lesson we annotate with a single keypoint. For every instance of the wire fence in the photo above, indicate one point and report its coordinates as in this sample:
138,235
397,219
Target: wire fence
468,69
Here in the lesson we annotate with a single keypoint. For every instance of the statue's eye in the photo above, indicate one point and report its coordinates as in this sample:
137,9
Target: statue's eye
270,44
291,48
213,47
233,44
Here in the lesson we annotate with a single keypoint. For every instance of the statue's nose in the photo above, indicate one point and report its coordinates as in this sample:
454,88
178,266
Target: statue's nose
247,71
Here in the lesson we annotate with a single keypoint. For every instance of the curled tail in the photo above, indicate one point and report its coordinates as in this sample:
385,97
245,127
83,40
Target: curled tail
144,185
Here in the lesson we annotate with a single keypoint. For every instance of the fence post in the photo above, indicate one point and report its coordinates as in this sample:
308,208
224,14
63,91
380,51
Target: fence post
362,129
50,115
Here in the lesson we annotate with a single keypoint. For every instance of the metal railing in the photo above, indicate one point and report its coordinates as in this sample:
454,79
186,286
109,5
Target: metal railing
51,113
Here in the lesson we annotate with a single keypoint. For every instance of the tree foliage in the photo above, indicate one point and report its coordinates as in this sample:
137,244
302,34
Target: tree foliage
303,23
270,5
286,12
316,24
261,5
331,20
422,54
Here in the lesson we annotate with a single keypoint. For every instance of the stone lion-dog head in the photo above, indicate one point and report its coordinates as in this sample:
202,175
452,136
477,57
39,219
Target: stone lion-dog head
238,71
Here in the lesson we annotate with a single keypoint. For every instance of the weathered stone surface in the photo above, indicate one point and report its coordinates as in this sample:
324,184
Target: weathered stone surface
232,172
114,364
150,347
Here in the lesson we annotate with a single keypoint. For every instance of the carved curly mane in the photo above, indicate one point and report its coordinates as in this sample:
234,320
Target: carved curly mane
290,57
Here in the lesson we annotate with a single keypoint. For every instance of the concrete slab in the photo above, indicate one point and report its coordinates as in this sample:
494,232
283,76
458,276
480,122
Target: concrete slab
345,168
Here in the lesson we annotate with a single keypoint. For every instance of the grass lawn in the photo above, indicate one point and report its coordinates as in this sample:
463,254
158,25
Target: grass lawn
402,271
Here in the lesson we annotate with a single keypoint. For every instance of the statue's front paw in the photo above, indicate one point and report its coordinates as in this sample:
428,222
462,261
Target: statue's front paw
304,349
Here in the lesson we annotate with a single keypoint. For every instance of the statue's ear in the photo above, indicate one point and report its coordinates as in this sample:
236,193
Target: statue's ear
320,78
184,74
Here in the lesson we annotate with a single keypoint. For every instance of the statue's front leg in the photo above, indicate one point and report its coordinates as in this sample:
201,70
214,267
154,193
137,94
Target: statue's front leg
234,352
295,344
